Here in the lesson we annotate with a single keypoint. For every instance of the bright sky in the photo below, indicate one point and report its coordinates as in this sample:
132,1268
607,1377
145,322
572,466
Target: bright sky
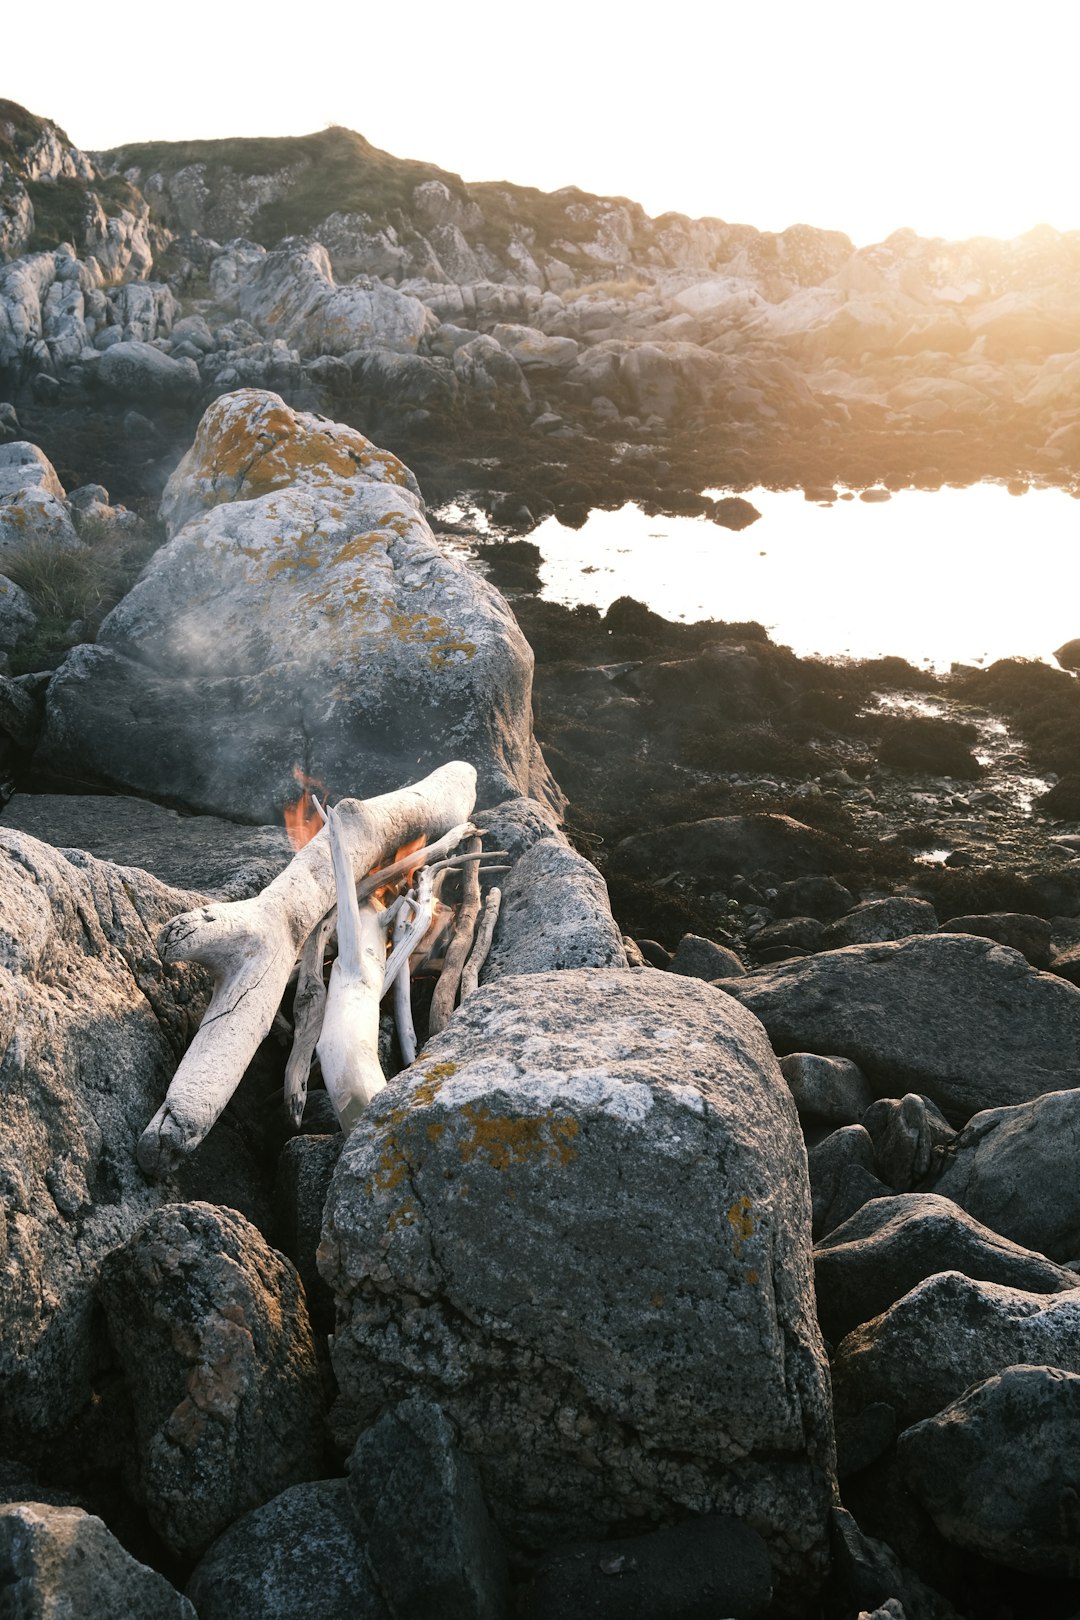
955,117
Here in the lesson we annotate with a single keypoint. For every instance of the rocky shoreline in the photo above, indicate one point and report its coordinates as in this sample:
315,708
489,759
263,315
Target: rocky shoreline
721,1256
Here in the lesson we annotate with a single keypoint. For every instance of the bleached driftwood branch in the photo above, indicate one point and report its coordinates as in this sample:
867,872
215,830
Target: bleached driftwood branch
442,1002
485,932
250,947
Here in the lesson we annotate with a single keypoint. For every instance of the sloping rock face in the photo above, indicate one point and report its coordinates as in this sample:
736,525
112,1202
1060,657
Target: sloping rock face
580,1225
60,1561
302,615
962,1020
91,1026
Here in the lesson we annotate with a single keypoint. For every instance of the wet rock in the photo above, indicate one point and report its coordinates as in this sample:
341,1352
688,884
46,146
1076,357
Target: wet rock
999,1469
430,1541
299,1557
699,958
925,743
888,1246
1013,1168
60,1561
725,845
946,1334
302,612
733,512
1028,935
877,920
554,914
212,1334
711,1565
961,1020
521,1206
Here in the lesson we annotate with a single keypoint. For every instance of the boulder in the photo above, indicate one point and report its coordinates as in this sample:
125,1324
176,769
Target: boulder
58,1562
724,845
1014,1169
910,1136
211,1331
517,1230
830,1160
1028,935
134,370
827,1090
17,617
891,1244
430,1541
699,958
964,1021
299,1557
999,1469
876,920
301,615
946,1334
92,1024
554,914
821,897
32,509
290,293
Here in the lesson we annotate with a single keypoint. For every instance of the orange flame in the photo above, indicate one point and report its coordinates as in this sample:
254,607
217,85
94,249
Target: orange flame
302,820
388,891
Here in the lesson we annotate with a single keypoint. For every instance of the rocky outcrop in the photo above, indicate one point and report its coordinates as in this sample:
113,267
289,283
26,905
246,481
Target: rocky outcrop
302,615
515,1231
60,1561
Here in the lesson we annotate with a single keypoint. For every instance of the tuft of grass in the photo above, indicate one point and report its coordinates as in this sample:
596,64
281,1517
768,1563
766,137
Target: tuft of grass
73,589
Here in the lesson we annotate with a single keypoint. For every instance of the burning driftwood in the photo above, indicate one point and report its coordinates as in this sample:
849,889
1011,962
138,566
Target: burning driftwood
251,947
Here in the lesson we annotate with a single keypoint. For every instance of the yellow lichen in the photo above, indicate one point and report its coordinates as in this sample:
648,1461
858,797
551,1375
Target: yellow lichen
513,1141
742,1222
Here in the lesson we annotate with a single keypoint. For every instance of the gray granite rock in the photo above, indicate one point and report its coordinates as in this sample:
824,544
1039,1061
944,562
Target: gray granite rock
830,1159
890,1245
829,1090
517,1230
699,958
59,1562
554,914
1021,932
961,1020
212,1335
876,920
911,1137
431,1544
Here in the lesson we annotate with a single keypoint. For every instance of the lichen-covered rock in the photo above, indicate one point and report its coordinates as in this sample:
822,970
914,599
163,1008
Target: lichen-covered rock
291,294
31,500
999,1469
299,1557
580,1225
303,614
891,1244
92,1024
965,1021
137,371
58,1562
554,914
212,1333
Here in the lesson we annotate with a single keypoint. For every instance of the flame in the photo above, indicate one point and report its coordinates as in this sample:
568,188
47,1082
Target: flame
302,820
389,891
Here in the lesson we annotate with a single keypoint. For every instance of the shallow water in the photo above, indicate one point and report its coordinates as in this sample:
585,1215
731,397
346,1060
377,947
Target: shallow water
952,575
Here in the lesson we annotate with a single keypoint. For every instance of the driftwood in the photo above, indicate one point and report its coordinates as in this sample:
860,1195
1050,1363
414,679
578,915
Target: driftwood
309,1004
250,946
485,932
442,1002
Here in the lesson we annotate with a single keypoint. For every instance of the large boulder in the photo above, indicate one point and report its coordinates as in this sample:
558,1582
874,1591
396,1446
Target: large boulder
291,294
302,614
1015,1169
58,1562
554,914
92,1024
134,370
962,1020
999,1469
892,1244
580,1224
32,508
211,1331
724,845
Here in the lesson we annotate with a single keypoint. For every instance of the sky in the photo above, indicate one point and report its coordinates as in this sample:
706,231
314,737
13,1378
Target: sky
955,118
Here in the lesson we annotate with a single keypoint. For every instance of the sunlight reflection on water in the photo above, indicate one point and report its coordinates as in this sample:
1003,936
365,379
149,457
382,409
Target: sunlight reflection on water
935,576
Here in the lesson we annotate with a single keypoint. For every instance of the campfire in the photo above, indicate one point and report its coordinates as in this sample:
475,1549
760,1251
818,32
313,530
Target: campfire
370,871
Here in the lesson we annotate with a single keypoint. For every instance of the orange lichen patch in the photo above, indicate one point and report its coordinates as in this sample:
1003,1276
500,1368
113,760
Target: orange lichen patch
512,1141
657,1302
357,546
430,1086
404,1215
247,448
752,1278
429,628
392,1168
742,1222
